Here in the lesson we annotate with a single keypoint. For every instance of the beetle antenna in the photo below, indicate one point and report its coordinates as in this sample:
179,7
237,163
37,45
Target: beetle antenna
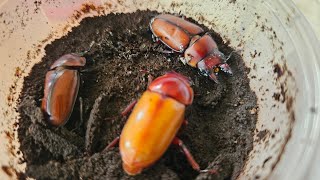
235,51
81,111
88,50
90,47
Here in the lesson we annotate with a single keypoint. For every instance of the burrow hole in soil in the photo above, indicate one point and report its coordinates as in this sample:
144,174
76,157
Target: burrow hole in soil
220,129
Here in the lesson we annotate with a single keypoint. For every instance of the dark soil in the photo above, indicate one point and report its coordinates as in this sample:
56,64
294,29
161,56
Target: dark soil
221,119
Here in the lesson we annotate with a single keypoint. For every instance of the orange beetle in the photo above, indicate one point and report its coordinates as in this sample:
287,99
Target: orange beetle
183,36
154,122
61,88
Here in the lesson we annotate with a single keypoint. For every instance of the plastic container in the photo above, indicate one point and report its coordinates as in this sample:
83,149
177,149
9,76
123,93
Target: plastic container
278,46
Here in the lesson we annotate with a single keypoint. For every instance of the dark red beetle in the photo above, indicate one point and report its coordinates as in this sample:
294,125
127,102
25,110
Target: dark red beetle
183,36
61,88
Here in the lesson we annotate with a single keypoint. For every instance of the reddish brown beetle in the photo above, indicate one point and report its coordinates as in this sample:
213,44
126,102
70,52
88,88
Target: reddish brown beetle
154,122
61,88
183,36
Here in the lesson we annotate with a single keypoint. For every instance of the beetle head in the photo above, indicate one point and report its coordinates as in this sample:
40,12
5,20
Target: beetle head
173,85
181,77
69,60
212,65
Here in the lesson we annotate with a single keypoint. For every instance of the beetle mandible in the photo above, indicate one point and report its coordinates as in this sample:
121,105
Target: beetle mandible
185,37
154,122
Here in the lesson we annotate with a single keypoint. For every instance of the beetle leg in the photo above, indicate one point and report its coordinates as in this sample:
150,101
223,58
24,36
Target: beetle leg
192,162
126,111
182,16
150,79
88,70
113,143
185,122
153,38
81,110
183,60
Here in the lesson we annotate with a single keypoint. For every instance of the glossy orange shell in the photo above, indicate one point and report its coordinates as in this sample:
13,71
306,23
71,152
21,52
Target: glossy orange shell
173,31
149,130
60,93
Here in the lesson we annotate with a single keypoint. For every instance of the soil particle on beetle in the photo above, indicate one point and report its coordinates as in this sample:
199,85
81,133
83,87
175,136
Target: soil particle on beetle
119,66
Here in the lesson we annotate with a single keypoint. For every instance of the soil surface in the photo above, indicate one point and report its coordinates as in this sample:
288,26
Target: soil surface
221,119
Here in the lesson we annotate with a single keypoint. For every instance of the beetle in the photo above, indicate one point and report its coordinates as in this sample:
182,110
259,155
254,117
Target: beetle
61,88
200,51
154,122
